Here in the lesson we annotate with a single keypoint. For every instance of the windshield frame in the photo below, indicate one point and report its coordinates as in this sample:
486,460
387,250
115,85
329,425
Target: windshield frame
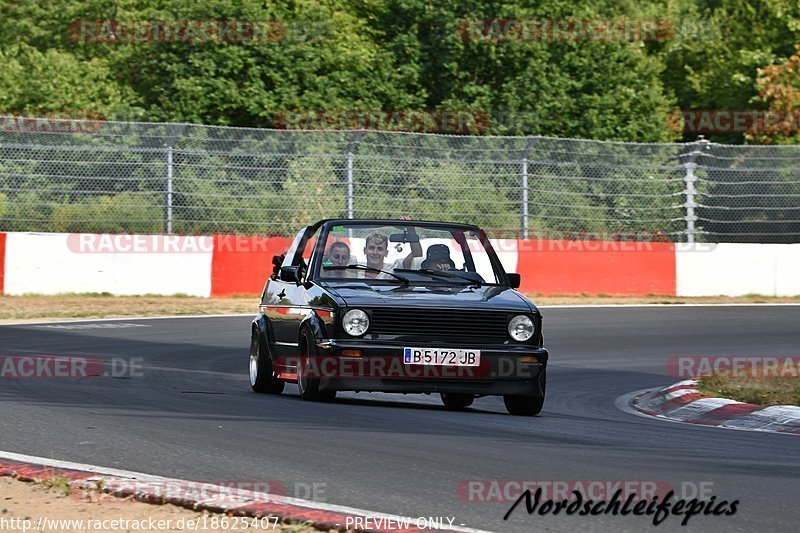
456,229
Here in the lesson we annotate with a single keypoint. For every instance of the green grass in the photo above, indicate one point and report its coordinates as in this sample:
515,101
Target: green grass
59,484
761,390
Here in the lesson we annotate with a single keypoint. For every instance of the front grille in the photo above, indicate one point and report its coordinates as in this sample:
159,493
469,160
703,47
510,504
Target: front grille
440,323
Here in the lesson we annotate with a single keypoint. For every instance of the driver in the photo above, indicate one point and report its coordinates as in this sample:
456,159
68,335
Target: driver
338,254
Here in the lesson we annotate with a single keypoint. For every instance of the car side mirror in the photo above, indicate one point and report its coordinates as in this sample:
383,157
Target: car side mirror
277,261
290,273
514,279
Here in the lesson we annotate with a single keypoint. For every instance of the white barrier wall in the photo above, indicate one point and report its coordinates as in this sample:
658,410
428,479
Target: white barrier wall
53,263
734,269
787,270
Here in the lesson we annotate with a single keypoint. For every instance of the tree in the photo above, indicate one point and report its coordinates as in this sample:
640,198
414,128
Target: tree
779,88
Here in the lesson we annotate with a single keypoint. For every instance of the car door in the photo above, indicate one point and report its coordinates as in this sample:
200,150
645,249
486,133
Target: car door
286,302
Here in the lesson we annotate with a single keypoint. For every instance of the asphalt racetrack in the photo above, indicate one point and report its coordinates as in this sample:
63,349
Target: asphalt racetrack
190,414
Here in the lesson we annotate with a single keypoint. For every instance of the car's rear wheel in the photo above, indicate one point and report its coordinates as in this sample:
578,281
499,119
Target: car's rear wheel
307,384
527,405
262,378
456,401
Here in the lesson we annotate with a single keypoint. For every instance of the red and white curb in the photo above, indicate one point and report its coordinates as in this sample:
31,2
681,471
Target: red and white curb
683,402
206,496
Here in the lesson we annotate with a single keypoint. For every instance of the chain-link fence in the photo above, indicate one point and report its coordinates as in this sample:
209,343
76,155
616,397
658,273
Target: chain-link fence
84,176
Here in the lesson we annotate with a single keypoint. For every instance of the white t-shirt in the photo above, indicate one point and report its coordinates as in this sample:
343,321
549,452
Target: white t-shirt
380,275
390,267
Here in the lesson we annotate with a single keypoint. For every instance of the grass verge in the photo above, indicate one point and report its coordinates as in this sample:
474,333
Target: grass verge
35,307
761,390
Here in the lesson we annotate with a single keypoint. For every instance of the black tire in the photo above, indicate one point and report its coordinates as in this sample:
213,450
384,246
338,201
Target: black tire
307,386
527,405
456,401
262,378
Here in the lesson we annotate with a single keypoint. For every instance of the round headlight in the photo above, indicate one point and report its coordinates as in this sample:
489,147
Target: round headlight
520,328
355,322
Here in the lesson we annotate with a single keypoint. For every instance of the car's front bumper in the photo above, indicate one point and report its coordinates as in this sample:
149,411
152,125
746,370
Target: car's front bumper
380,368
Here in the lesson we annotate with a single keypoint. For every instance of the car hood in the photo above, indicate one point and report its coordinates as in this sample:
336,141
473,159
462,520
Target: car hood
497,298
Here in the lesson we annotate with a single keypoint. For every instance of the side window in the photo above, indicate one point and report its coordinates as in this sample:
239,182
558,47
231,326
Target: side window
307,253
481,262
288,257
301,251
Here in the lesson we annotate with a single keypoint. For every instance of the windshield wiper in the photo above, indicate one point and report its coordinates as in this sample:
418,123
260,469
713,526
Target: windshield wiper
443,273
367,268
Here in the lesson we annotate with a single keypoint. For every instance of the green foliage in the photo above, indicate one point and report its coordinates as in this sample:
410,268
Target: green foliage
713,61
121,213
398,55
55,80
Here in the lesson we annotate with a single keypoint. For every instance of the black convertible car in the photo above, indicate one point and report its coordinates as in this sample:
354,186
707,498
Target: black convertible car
398,306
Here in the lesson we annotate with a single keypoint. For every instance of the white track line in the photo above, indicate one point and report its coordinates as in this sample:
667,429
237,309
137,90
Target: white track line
54,463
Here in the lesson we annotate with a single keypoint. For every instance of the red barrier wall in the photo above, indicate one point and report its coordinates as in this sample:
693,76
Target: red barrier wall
2,261
596,267
241,264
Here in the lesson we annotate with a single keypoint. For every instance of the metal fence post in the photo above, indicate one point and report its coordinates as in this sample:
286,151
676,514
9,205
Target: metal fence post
690,188
349,184
523,197
168,199
173,136
352,144
689,191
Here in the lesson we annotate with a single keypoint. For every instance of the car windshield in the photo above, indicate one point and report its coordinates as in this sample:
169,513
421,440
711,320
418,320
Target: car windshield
421,254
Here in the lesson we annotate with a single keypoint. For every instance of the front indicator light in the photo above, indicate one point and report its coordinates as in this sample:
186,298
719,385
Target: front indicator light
528,359
351,353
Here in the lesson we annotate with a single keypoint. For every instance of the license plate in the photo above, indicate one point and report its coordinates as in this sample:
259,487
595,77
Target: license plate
441,356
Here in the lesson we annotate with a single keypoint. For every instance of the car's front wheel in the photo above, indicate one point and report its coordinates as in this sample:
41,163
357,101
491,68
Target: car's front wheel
262,378
307,383
523,405
456,401
527,405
